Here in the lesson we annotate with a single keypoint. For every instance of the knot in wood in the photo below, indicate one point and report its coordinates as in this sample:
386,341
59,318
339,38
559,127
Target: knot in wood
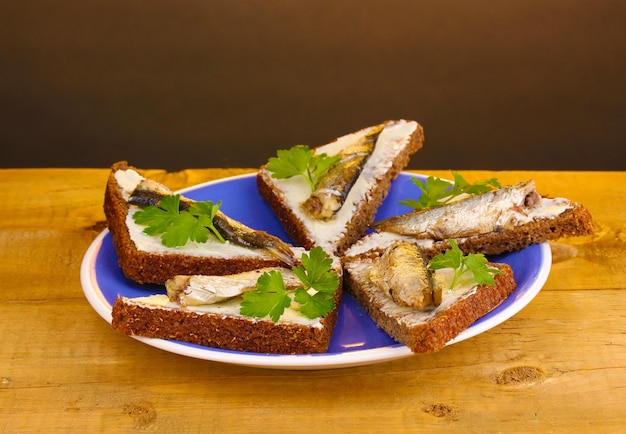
520,375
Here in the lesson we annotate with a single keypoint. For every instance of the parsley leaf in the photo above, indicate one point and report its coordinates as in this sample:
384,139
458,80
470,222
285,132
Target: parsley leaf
315,271
205,212
271,297
301,160
451,258
437,192
184,227
177,227
158,219
316,297
461,264
312,306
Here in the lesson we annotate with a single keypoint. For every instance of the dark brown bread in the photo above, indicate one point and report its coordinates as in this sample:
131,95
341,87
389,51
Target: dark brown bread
223,331
366,209
436,330
576,221
149,267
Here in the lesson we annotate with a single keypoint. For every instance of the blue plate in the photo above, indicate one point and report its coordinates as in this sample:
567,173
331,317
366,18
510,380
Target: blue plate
356,339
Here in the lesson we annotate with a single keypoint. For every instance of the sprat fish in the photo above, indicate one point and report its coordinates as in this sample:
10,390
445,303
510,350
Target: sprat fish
333,188
476,215
198,290
401,273
149,192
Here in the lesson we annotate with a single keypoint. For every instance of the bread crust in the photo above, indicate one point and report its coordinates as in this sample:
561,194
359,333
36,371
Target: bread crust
366,210
148,267
432,334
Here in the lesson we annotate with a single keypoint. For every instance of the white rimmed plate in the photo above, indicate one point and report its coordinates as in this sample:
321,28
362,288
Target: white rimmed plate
356,339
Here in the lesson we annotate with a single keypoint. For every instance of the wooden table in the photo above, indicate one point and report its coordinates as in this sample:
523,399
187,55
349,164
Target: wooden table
558,365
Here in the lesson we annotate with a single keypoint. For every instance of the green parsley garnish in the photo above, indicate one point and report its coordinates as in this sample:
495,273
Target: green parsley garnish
272,298
301,160
437,192
177,227
474,263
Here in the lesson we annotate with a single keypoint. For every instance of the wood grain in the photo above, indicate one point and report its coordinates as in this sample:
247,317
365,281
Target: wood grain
559,365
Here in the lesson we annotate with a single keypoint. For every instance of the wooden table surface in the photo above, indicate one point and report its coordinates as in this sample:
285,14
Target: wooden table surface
559,365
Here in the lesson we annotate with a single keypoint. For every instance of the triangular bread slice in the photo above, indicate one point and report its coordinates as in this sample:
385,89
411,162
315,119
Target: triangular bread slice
397,141
144,259
529,222
220,325
424,331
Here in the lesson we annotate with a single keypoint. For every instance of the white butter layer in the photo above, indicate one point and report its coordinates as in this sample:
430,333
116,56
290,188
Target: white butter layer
128,180
212,247
228,308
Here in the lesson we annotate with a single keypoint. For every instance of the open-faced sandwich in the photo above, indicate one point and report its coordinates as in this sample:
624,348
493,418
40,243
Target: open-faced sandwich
277,310
425,304
481,218
329,195
158,234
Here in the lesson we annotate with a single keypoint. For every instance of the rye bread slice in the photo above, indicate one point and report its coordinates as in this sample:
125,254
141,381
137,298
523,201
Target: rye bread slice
395,145
221,325
572,222
425,332
140,317
146,266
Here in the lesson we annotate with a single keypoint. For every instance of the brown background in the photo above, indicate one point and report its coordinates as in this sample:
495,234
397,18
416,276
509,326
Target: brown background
177,84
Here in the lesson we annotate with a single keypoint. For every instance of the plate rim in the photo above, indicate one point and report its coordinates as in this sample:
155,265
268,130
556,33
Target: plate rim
96,298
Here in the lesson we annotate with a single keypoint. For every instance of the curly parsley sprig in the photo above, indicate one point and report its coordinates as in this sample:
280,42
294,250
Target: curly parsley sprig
461,264
315,298
437,192
176,226
301,160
